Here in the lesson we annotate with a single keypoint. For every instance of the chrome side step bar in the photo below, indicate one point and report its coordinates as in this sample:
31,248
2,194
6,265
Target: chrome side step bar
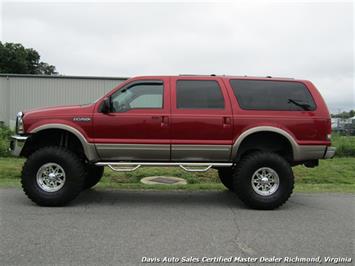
190,167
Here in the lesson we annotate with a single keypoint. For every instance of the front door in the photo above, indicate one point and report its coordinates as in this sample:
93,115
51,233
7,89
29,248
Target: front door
137,128
201,120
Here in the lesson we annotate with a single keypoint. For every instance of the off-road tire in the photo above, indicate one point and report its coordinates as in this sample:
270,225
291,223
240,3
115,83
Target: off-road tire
226,176
243,176
93,175
74,169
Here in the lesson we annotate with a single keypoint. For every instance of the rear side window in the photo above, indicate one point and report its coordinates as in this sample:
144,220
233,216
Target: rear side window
272,95
198,94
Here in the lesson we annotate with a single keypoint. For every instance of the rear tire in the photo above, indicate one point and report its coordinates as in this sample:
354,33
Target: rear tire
93,175
226,176
53,176
263,180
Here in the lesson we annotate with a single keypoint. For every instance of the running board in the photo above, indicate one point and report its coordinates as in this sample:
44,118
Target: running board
190,167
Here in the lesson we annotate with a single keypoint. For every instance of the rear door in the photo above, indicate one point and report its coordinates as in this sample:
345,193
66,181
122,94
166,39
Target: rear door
201,120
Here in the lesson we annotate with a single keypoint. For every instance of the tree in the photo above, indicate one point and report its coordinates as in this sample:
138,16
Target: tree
16,59
345,115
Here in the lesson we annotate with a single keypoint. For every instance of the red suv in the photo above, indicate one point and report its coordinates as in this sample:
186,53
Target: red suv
252,130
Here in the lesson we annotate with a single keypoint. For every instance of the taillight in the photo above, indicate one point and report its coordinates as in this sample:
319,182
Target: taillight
329,137
329,130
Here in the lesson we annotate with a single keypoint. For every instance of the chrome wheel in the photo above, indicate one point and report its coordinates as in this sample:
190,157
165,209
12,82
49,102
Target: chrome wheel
265,181
50,177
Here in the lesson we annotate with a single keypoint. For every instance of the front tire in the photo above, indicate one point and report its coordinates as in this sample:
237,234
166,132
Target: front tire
93,175
53,176
263,180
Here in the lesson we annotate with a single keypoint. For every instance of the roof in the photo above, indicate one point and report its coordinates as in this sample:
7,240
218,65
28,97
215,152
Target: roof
59,76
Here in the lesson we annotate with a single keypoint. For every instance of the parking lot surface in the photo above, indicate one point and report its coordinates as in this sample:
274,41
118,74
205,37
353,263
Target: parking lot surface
104,227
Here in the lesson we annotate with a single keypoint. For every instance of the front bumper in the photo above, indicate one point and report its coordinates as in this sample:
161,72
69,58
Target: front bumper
16,145
329,152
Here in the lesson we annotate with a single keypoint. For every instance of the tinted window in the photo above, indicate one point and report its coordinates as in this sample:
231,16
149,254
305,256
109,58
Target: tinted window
272,95
198,94
149,95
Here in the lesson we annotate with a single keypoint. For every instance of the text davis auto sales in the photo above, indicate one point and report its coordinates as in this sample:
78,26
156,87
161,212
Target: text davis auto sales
232,259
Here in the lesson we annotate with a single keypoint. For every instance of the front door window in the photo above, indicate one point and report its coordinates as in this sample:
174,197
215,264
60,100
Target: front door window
140,96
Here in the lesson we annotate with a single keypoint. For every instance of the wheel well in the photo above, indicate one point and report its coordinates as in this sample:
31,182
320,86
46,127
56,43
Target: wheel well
53,137
266,141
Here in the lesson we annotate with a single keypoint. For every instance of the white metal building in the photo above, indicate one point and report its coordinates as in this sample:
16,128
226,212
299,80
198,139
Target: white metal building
23,92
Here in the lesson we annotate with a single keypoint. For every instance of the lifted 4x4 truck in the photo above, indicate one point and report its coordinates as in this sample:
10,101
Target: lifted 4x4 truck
252,130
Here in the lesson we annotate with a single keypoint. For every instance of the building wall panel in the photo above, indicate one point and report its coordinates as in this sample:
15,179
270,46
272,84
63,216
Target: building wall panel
24,93
4,100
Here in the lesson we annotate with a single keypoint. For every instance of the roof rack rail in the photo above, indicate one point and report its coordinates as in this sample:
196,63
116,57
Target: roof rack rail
192,75
270,77
213,75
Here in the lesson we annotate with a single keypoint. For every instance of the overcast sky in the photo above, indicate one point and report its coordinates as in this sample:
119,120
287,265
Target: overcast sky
311,40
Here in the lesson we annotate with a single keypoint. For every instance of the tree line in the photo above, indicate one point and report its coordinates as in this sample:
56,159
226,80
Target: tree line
16,59
344,114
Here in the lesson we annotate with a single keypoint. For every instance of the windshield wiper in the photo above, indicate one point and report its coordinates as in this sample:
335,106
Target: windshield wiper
304,106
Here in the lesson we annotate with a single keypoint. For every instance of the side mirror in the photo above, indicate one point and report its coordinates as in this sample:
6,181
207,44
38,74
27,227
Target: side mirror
106,106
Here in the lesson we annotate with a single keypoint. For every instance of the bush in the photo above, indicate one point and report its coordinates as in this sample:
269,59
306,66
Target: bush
5,134
345,145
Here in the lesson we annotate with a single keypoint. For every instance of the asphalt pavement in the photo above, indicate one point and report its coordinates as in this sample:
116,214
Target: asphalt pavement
103,227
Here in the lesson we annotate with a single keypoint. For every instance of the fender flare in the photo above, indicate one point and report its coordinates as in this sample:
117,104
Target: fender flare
245,134
89,148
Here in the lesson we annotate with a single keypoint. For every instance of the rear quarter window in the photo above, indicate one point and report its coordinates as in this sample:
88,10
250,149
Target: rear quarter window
272,95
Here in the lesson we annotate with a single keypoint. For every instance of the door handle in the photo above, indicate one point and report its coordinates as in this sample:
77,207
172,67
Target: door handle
227,121
164,120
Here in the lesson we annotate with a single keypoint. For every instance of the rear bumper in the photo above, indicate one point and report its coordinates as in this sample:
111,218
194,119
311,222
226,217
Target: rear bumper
16,145
329,152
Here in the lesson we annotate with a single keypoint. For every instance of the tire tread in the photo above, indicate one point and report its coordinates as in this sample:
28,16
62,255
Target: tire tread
244,195
74,189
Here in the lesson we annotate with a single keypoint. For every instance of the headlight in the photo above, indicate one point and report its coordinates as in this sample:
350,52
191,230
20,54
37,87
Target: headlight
19,123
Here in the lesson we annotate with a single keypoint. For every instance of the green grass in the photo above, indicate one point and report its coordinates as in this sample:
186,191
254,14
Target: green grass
345,145
336,175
